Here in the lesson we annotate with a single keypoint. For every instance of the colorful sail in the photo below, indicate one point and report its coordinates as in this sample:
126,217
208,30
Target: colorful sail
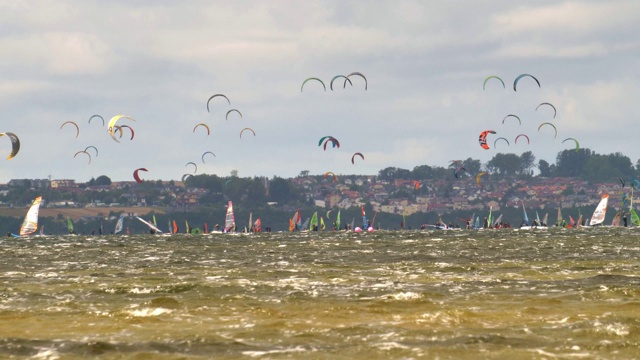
69,225
600,212
206,228
322,225
187,228
229,219
364,219
30,223
313,224
616,220
257,225
176,228
153,217
579,221
338,220
635,219
119,225
489,218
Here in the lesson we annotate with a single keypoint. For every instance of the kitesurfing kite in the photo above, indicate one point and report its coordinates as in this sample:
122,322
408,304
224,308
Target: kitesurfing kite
501,138
194,166
335,178
214,96
313,78
230,111
72,123
94,148
130,129
185,177
577,144
511,115
112,123
81,152
355,73
482,139
354,156
548,104
346,79
136,176
492,77
550,124
515,82
205,126
333,140
245,129
15,144
525,136
205,153
480,174
96,116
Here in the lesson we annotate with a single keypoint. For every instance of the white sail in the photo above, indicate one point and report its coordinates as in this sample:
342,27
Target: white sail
150,225
119,224
600,212
30,223
229,220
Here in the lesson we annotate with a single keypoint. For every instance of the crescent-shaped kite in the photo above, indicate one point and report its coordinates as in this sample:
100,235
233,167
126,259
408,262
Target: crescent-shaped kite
230,111
515,82
355,73
194,166
525,136
136,176
313,78
214,96
96,116
250,129
550,124
82,151
482,139
111,128
72,123
205,126
548,104
205,153
94,148
577,144
15,144
354,156
492,77
346,79
501,138
514,116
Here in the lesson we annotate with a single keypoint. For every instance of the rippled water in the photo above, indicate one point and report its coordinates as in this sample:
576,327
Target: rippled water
457,294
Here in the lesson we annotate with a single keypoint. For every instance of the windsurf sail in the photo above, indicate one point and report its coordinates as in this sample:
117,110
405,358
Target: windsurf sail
489,218
524,216
353,222
206,228
250,227
322,225
497,222
153,217
559,219
600,212
229,219
579,221
30,223
187,228
175,227
70,225
364,219
338,221
544,219
313,224
257,225
616,220
150,225
119,225
305,225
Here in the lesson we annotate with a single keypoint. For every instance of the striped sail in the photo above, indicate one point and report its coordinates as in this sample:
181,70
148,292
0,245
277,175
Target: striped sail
30,223
229,220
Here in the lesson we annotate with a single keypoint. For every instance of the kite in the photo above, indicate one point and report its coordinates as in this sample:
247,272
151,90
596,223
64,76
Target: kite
216,95
136,176
313,78
550,124
515,82
548,104
354,155
482,139
492,77
15,144
72,123
205,126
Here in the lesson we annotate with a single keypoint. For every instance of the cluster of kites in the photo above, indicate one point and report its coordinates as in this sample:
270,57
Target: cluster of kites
326,140
515,120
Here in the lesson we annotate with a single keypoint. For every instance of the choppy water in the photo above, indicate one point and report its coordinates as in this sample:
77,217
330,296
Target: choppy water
450,295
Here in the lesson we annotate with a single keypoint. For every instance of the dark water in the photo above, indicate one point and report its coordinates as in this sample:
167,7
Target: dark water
459,294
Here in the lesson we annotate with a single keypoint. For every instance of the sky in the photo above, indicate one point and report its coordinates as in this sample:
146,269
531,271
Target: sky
425,63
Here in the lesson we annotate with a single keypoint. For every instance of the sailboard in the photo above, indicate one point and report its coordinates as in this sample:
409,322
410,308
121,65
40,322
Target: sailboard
150,225
600,212
30,223
229,219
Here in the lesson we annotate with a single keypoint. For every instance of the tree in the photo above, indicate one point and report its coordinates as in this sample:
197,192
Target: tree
102,180
546,170
304,173
527,161
504,164
571,163
281,191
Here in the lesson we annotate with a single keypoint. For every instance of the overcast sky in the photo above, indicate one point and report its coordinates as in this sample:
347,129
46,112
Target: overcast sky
158,62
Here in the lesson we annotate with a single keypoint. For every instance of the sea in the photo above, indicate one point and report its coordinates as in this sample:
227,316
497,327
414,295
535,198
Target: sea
456,294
